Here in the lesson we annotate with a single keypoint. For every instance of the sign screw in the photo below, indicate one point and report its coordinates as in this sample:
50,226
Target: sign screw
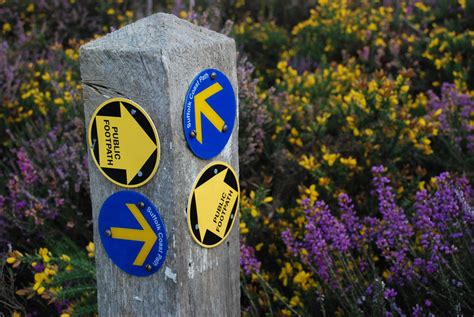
141,205
213,75
108,233
224,128
193,133
148,267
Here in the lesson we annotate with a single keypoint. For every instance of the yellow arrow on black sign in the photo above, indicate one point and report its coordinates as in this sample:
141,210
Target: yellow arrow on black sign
124,142
213,204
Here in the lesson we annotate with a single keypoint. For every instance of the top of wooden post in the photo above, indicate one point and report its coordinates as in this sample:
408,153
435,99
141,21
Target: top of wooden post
158,32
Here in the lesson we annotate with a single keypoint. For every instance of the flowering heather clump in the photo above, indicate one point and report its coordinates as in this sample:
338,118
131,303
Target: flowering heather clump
57,160
341,254
248,262
253,116
457,115
394,231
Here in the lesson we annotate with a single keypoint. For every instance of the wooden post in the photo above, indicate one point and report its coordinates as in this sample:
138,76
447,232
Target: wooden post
153,62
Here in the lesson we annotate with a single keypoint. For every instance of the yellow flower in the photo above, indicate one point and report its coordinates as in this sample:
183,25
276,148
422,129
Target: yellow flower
282,65
44,253
46,76
254,212
309,81
183,14
379,42
323,181
40,277
308,162
30,8
330,158
372,86
65,315
295,301
90,249
267,200
420,5
322,119
65,258
308,193
302,278
421,185
369,132
373,27
243,228
462,3
58,101
349,162
111,11
6,27
286,271
40,290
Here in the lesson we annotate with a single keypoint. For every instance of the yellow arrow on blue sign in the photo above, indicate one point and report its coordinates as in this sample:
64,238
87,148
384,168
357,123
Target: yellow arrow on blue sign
133,233
201,107
210,109
145,235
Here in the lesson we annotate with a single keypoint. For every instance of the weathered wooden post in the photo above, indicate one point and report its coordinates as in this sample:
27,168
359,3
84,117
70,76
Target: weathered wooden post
153,62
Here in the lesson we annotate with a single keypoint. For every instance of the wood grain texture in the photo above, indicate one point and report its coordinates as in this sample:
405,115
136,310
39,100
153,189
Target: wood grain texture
153,62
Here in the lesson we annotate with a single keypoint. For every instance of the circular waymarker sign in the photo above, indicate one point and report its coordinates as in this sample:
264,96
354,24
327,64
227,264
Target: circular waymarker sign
124,142
213,203
133,233
209,113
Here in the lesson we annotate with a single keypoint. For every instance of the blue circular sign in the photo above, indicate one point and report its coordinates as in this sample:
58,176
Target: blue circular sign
209,114
133,233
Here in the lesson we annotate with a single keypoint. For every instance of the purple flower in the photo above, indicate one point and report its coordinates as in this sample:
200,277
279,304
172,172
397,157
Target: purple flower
26,167
291,244
417,311
438,220
394,232
248,262
2,203
389,294
456,112
350,220
334,232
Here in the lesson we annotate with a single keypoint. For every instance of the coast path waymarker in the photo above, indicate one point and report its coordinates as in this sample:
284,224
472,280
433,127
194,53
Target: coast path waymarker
132,233
209,113
136,81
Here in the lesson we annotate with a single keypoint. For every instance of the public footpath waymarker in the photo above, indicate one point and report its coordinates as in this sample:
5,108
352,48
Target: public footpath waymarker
209,113
124,142
213,204
133,233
